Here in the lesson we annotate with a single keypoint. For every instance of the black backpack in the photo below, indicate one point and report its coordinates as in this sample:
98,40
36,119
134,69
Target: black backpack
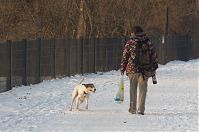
144,60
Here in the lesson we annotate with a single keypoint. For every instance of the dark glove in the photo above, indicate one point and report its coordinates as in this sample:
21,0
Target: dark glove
122,72
154,79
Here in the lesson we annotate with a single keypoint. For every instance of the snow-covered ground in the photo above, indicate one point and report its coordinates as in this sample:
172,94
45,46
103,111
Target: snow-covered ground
171,105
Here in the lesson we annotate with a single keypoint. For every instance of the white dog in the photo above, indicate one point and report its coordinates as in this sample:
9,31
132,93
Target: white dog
81,94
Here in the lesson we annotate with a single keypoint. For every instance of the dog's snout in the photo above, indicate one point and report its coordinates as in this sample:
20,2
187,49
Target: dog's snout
94,90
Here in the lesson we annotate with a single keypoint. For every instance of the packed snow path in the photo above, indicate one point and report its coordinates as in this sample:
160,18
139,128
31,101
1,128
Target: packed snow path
171,105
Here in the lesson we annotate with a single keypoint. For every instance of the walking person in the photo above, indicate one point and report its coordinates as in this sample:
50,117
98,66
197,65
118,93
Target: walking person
139,60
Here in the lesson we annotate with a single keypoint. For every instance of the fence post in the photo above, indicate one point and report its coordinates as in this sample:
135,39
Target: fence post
165,58
106,52
82,54
94,49
54,47
39,59
116,62
116,55
10,76
191,52
69,57
25,76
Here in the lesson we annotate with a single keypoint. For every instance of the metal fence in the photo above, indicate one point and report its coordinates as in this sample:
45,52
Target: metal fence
174,48
27,62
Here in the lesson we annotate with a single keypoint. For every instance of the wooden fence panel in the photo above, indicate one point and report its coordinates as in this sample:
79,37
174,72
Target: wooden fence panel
5,65
89,55
33,61
59,57
18,63
75,56
67,57
47,58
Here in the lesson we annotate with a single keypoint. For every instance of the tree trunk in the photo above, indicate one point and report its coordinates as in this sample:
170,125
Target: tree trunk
81,23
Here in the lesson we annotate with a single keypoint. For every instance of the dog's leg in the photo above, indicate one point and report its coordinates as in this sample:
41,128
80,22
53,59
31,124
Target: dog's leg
86,103
77,103
71,107
74,96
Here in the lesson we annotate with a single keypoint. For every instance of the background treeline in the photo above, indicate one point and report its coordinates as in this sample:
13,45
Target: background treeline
95,18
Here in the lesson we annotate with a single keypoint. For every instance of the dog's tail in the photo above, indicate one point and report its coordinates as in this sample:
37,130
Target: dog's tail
81,80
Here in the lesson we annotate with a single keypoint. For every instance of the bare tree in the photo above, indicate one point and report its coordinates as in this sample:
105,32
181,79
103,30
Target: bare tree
98,18
81,23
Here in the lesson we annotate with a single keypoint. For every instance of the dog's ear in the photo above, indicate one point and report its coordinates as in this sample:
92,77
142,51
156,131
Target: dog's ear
86,85
89,85
92,85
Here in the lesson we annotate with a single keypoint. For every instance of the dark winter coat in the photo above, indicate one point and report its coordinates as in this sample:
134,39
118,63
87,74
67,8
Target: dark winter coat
129,55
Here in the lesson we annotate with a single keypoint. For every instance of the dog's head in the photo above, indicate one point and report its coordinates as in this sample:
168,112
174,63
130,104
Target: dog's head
90,87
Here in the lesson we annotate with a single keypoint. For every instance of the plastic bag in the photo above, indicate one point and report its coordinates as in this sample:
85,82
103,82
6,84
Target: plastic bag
119,98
